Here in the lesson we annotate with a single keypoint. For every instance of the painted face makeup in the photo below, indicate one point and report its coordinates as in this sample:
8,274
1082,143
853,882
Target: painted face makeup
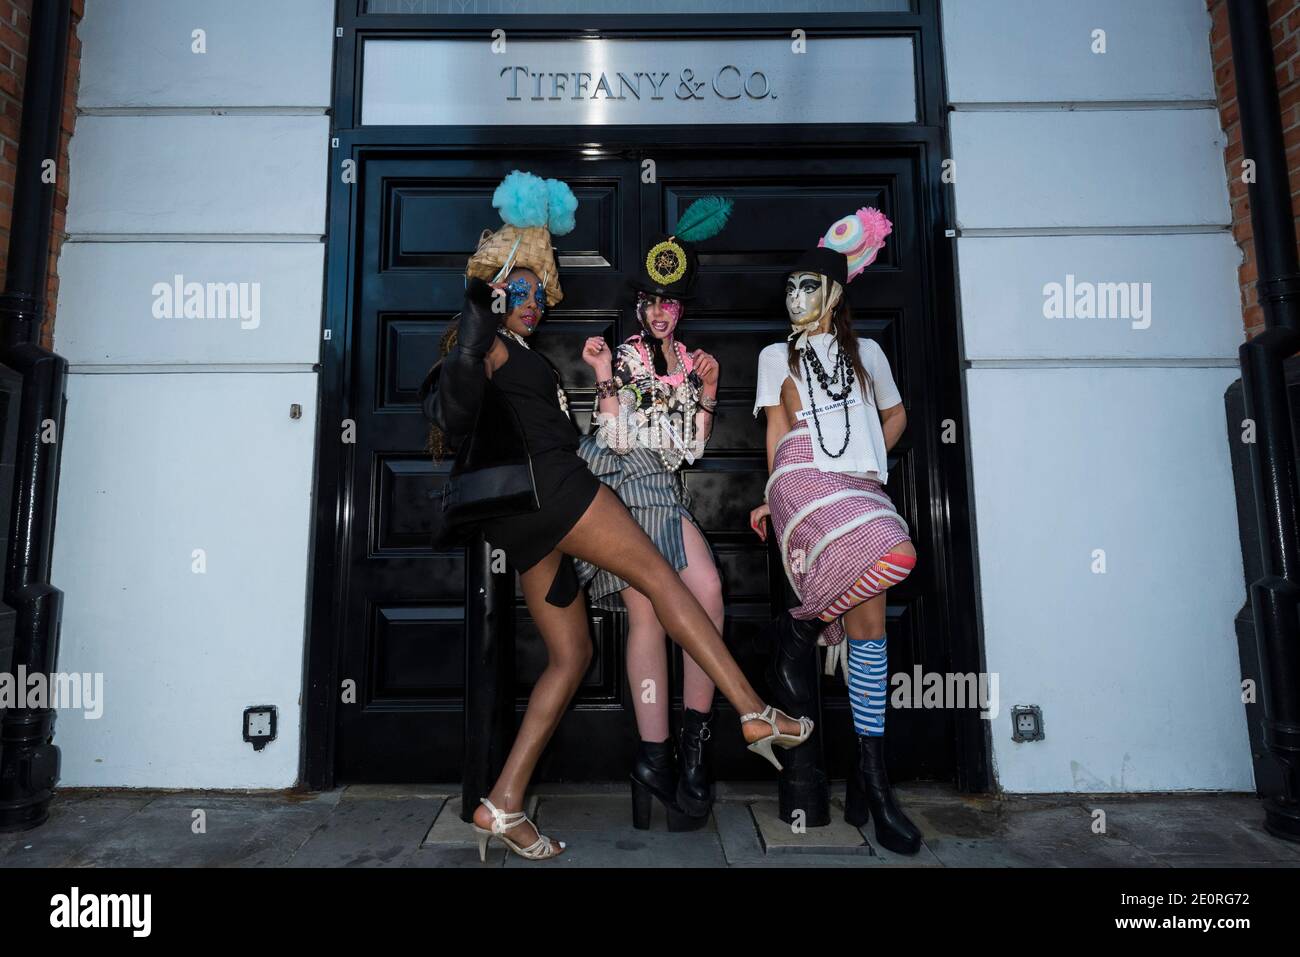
658,316
805,298
519,291
527,298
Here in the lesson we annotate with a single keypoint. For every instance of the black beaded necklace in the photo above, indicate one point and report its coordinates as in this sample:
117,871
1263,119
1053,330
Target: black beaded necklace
812,366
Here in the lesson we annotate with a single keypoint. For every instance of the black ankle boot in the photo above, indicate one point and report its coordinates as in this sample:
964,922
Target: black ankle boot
695,786
870,796
655,775
792,677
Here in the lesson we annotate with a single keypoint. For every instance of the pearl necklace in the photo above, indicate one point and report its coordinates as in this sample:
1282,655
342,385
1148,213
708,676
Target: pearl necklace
559,390
660,391
684,363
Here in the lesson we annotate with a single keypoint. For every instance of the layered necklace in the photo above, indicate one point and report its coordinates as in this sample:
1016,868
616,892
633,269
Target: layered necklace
662,390
559,390
837,386
684,364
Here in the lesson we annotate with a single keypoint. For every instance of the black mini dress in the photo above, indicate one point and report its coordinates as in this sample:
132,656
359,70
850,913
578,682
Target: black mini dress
565,485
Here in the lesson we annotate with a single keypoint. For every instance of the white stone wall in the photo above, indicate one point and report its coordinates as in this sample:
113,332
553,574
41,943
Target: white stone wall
210,166
1085,434
1103,434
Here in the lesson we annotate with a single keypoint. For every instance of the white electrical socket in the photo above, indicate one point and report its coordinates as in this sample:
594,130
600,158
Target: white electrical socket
259,724
1027,723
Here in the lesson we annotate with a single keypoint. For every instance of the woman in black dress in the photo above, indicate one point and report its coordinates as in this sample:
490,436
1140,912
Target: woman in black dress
578,518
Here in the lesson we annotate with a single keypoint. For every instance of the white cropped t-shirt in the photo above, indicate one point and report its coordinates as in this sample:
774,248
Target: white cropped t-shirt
866,455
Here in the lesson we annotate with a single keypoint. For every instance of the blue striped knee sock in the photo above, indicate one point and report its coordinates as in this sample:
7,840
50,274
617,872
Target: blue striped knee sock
868,682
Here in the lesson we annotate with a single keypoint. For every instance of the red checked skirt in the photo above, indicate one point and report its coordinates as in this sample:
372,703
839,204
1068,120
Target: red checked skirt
832,527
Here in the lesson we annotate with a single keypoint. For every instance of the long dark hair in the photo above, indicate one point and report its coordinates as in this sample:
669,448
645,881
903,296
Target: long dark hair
657,356
847,339
436,442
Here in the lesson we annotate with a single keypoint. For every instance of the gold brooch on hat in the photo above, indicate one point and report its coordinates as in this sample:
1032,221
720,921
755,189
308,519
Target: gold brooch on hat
666,262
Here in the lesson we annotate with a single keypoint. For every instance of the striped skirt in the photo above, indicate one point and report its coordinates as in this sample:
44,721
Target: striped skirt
657,501
832,529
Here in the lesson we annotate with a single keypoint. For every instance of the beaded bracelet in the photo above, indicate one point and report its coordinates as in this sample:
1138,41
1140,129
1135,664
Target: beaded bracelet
607,388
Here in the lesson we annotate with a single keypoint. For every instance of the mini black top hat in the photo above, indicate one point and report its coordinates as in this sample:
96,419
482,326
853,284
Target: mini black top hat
670,265
825,261
849,246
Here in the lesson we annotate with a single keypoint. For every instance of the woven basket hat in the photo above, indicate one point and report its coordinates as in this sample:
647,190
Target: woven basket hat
534,210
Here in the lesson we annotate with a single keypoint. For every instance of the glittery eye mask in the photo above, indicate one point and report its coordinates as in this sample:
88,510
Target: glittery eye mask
517,291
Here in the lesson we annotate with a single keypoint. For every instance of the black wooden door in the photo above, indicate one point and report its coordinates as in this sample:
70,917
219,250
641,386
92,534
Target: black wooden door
784,202
402,630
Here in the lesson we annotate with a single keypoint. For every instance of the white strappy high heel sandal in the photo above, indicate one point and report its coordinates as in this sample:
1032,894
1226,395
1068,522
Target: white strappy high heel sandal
763,746
503,821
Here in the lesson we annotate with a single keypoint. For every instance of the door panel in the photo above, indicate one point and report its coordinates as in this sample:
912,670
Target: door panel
403,615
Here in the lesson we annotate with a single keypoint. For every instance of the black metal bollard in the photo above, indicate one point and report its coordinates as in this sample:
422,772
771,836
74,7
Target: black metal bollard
803,787
489,671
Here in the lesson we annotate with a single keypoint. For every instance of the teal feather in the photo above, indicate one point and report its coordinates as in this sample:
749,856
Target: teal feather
703,219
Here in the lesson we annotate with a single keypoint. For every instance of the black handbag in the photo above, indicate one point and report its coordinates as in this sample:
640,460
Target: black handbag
491,475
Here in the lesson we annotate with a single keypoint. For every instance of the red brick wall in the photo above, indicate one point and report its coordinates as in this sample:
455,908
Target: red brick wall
1284,18
15,26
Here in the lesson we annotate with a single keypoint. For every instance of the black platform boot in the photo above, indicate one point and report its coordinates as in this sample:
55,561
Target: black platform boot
695,785
655,775
870,796
792,676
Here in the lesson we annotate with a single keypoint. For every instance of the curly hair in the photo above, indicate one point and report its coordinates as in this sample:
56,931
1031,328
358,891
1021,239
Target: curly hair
436,442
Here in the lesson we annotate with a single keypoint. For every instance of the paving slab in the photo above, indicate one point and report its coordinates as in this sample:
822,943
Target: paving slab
448,830
72,827
201,830
1205,827
420,826
368,832
598,832
781,839
359,792
1051,835
1186,861
455,855
600,812
632,848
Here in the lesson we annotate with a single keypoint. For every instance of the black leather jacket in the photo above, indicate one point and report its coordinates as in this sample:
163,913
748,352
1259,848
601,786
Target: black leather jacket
453,390
492,471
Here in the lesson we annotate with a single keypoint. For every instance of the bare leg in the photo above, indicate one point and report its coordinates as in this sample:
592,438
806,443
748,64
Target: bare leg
568,650
647,657
701,577
608,537
865,621
647,661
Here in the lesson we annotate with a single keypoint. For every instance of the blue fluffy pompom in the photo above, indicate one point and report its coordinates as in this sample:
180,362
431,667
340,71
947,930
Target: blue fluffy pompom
522,199
562,205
